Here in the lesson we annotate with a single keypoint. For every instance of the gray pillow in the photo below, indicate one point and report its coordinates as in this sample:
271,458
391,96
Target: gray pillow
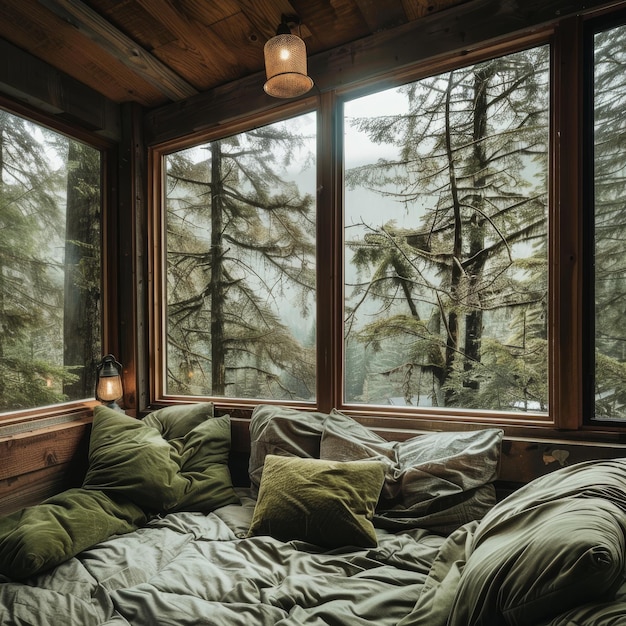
437,480
284,432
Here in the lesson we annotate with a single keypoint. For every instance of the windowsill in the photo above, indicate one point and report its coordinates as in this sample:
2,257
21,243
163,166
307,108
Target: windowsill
19,422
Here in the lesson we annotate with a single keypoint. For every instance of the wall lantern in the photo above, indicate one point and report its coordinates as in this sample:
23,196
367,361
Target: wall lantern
285,62
109,382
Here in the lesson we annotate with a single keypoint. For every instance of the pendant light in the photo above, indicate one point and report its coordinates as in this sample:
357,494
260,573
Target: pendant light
285,63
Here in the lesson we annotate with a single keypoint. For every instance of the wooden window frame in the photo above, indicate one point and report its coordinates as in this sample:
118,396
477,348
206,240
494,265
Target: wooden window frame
20,421
566,252
605,20
157,244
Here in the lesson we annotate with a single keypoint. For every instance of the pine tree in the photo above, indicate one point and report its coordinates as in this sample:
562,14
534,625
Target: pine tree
610,223
241,241
472,150
81,302
31,277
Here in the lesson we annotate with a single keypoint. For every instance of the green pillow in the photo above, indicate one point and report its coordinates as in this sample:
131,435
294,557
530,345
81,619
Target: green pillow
39,537
327,503
556,543
544,561
204,465
176,421
176,460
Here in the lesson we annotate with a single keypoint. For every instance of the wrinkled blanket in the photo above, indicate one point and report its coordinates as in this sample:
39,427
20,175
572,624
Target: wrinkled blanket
439,595
552,553
190,568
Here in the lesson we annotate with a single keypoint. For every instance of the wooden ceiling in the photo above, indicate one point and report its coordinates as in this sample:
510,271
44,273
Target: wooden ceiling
154,52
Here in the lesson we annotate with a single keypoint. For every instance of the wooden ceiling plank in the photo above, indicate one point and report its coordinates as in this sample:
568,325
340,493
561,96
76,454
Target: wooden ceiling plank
194,38
265,15
33,28
121,47
209,13
415,9
332,23
194,67
380,16
240,32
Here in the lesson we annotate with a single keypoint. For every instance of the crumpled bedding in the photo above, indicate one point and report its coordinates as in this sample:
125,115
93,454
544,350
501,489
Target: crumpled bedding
190,568
551,554
440,591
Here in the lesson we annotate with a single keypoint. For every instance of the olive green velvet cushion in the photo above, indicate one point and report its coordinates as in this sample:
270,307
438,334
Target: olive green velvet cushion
174,422
327,503
175,459
40,537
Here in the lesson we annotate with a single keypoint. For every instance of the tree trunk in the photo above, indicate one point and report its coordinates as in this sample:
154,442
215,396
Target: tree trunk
474,269
81,315
2,287
456,273
218,346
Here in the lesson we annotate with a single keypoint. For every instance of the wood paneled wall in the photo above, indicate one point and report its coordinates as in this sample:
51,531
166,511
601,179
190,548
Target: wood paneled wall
41,462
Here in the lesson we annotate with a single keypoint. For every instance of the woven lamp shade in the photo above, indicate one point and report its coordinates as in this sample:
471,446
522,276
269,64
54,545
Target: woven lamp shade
285,67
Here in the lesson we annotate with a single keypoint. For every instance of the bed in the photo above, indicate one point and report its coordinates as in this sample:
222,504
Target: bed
337,527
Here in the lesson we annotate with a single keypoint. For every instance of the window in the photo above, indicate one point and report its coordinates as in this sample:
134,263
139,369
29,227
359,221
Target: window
446,230
240,240
609,223
50,204
467,266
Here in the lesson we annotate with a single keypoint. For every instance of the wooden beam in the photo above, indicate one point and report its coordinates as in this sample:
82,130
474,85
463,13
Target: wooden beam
416,9
380,15
566,279
36,84
121,47
132,241
457,30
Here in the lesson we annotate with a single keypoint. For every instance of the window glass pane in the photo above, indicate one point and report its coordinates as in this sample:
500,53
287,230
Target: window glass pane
49,266
610,222
240,232
446,239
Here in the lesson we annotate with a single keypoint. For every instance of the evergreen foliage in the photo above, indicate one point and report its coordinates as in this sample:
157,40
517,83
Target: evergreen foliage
609,228
240,266
34,192
458,297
